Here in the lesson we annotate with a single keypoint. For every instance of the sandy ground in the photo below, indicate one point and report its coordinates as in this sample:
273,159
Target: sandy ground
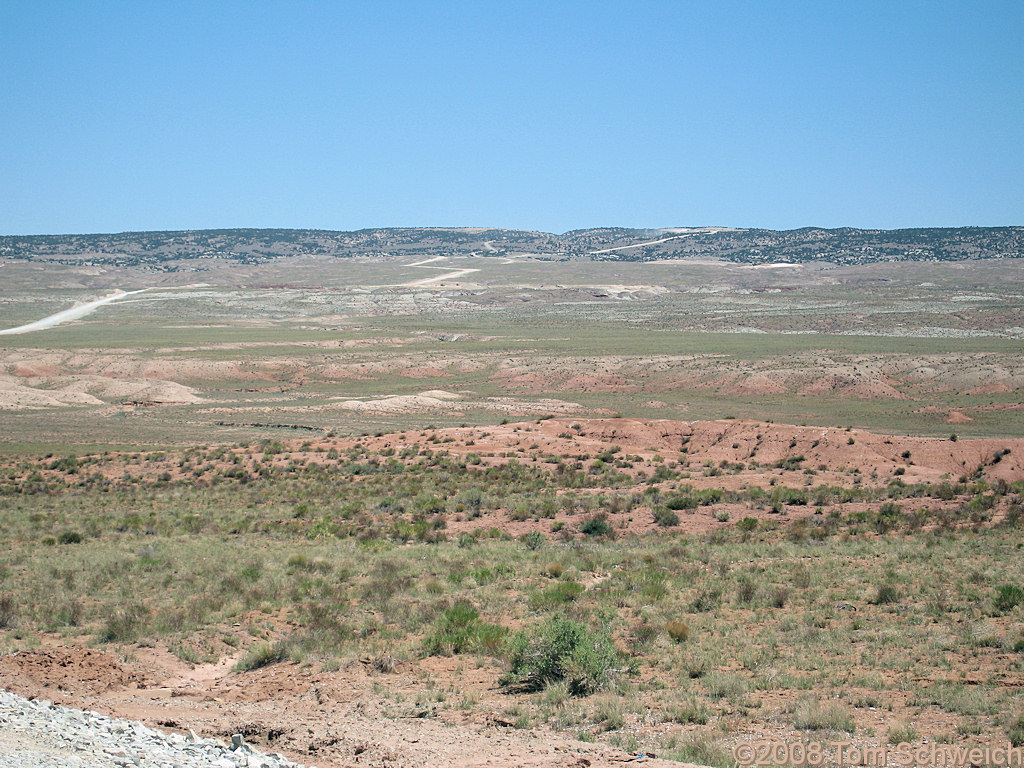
331,719
25,393
834,454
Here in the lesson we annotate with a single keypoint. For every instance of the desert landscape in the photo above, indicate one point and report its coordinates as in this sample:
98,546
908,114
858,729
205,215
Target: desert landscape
490,497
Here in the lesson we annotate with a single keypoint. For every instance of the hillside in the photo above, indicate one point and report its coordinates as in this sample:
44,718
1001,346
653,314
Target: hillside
169,251
691,588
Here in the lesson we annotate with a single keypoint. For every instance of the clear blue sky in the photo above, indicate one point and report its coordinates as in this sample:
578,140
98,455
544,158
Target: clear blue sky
537,115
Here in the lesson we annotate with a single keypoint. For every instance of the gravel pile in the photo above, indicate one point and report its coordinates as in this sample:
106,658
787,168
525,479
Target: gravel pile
38,734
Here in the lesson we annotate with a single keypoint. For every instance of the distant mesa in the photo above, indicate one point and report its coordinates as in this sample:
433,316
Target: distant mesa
174,251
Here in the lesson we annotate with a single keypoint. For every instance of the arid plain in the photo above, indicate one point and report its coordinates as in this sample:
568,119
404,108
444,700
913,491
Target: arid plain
354,507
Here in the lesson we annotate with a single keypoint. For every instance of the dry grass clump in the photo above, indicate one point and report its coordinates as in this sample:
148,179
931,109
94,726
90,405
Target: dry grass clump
902,733
779,596
811,714
1008,597
263,654
679,631
1015,729
689,710
746,590
8,612
726,685
125,624
460,630
886,594
957,698
698,748
610,713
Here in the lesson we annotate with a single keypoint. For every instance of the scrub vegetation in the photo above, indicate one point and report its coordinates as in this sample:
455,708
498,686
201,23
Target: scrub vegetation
898,599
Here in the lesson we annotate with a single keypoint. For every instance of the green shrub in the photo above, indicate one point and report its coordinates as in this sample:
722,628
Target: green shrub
67,464
561,649
888,516
596,526
533,540
747,524
710,496
555,595
682,501
427,504
519,513
1008,597
791,463
889,509
666,518
789,497
460,630
981,503
886,594
70,537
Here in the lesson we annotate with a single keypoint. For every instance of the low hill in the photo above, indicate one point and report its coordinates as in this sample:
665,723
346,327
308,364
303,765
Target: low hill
164,250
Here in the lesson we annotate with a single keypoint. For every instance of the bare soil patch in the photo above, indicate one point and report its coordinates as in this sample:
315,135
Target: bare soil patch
340,719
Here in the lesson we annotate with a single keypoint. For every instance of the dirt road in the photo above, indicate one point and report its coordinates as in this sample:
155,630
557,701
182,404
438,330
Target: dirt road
67,315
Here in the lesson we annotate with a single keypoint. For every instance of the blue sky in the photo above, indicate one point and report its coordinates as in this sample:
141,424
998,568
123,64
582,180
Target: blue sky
535,115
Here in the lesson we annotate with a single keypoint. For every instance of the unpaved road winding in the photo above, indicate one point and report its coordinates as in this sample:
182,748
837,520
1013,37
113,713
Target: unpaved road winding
446,276
439,278
67,315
